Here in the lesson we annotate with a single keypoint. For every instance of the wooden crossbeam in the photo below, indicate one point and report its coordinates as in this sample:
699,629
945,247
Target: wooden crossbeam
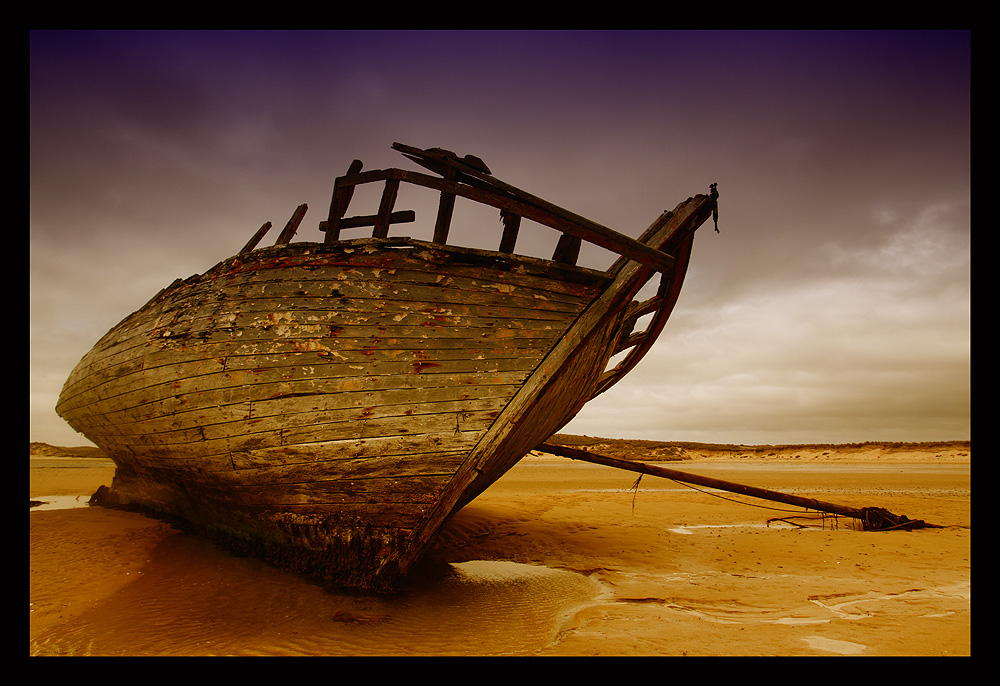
400,217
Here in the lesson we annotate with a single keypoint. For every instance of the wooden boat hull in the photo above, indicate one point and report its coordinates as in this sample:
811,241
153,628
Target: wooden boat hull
328,406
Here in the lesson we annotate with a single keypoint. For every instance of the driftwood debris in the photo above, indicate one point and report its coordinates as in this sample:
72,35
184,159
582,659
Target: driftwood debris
871,518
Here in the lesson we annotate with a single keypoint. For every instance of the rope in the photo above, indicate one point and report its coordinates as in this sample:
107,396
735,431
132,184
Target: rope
635,491
732,500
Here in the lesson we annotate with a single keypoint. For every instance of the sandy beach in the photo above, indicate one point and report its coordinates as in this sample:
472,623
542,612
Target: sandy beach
558,558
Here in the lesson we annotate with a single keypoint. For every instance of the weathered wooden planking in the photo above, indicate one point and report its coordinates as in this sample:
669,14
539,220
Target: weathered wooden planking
238,386
454,283
305,427
350,503
194,465
297,411
465,387
220,437
237,352
327,377
285,324
411,257
449,366
122,337
167,364
401,402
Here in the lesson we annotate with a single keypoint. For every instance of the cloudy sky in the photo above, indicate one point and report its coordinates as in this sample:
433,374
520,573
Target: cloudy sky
833,306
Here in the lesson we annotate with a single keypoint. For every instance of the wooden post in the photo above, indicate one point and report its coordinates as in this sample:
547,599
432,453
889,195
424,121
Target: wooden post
252,243
445,209
382,219
567,250
400,217
338,205
292,226
511,225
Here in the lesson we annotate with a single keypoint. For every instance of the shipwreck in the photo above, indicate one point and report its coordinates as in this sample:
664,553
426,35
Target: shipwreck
329,405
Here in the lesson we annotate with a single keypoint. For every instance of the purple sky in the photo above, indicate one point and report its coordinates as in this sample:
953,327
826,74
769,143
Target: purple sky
834,306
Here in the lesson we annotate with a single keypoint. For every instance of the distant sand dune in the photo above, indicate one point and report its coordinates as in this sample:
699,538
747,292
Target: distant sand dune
959,451
680,450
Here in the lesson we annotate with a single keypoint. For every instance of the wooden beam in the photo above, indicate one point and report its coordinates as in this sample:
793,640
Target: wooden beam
567,250
578,226
338,203
873,518
292,226
252,243
572,224
511,225
400,217
446,208
507,198
385,208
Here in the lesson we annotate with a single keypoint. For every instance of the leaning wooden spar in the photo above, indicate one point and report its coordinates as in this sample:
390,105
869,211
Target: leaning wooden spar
329,405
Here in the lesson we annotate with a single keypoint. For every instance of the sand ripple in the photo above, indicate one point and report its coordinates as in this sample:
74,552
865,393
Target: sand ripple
179,607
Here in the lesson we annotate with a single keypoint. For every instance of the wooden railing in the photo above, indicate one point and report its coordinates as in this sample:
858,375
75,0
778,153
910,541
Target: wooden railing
469,178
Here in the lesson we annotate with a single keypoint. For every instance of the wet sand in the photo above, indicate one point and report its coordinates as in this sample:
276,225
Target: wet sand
557,558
